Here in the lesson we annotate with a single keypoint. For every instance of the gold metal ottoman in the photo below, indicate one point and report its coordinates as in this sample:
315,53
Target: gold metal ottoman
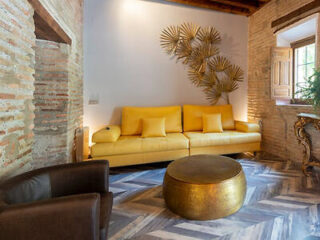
204,187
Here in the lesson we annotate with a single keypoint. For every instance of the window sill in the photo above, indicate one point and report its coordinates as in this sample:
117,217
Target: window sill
294,105
287,103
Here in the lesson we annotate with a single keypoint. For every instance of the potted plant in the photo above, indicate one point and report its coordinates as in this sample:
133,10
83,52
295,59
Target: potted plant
310,91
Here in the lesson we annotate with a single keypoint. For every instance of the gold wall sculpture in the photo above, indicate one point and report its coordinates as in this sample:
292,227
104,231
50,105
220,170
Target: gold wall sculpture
197,48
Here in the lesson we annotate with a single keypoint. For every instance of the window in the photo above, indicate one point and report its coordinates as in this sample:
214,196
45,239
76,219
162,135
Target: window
304,63
290,68
293,61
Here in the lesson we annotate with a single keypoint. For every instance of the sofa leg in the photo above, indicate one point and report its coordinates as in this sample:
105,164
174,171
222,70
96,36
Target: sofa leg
257,155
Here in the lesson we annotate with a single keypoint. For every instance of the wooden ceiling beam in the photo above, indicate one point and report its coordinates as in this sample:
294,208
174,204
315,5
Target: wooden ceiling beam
296,15
251,5
311,7
214,6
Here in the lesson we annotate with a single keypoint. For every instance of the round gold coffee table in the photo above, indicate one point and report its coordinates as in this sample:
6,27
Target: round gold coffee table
203,187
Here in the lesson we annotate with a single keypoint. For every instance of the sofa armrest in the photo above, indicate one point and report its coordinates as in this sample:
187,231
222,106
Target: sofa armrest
108,134
73,217
247,127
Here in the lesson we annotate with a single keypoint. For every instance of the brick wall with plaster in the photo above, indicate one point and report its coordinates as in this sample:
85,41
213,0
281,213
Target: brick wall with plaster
278,121
17,77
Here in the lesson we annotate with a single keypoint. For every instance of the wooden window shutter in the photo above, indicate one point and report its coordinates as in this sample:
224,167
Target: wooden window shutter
281,73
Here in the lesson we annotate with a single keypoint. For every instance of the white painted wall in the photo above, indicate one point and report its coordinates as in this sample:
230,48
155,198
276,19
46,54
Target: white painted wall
125,65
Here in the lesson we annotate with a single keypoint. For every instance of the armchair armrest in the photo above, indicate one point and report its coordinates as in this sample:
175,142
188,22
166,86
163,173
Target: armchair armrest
247,127
72,217
108,134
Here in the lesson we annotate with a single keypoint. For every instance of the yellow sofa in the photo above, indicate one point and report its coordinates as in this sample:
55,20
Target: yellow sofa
125,146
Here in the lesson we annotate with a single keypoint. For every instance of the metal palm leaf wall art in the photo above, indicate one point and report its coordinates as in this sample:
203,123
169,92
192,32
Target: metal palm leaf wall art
197,48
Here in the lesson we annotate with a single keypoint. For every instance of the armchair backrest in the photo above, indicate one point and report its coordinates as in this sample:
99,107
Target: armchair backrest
78,178
26,188
56,181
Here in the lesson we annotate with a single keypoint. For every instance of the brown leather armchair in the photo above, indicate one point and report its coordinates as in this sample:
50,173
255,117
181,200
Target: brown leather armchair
69,201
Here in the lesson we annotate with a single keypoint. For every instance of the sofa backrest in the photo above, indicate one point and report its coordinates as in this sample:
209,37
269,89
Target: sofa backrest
192,116
132,118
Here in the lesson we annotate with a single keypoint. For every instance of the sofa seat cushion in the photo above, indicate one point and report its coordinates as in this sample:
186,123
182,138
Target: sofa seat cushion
137,144
200,139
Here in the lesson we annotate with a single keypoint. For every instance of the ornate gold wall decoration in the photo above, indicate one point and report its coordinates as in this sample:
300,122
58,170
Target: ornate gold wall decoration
197,47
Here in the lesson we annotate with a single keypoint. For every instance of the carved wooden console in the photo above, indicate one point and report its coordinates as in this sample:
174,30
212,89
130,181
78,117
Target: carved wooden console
303,138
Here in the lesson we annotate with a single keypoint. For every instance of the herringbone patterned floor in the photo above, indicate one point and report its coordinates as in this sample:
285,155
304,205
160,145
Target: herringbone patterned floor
281,203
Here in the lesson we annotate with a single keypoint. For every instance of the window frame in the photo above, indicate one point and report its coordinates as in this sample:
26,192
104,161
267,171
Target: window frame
298,44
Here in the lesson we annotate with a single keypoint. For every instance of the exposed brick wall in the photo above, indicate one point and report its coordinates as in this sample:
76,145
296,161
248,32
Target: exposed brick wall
51,99
278,121
69,14
17,40
17,66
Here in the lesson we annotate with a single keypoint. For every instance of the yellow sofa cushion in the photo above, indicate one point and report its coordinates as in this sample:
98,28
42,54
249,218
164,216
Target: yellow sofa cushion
137,144
153,127
132,118
200,139
212,123
107,134
247,127
192,116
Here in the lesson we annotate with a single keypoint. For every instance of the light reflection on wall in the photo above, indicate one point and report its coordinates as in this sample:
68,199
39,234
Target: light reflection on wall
132,7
